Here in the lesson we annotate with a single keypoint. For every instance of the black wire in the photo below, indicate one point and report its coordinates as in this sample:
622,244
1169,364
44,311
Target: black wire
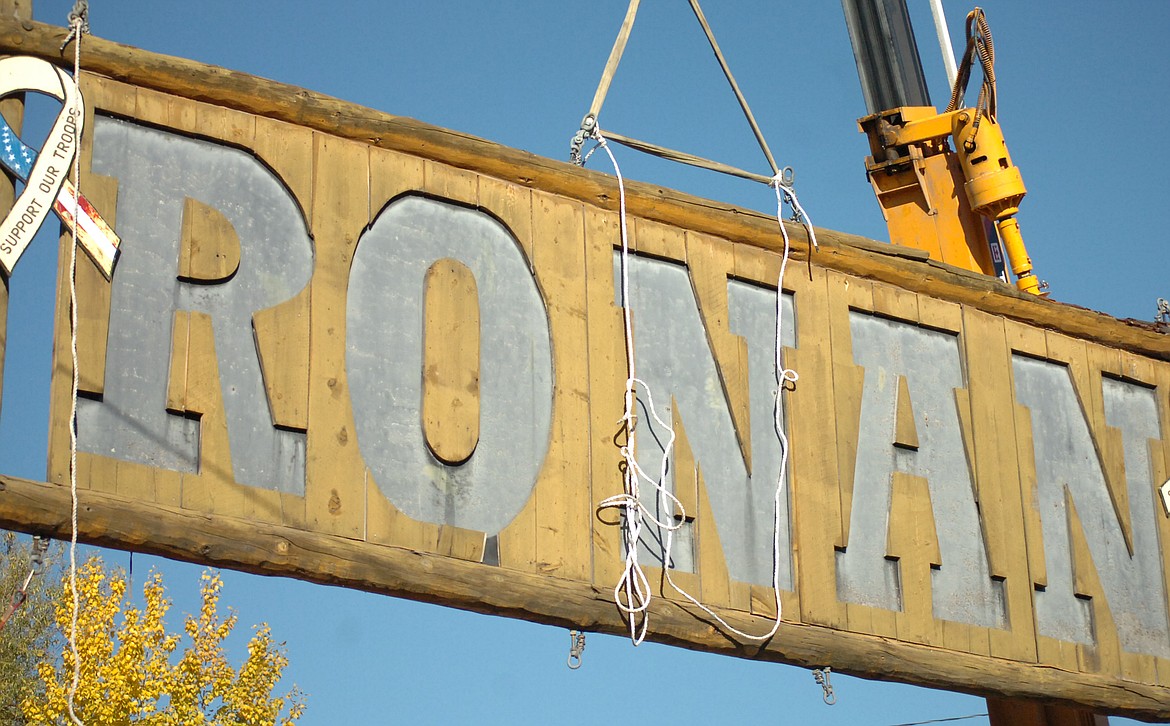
954,718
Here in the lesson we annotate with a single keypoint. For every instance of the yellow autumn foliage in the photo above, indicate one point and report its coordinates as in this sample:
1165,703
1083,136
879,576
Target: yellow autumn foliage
133,671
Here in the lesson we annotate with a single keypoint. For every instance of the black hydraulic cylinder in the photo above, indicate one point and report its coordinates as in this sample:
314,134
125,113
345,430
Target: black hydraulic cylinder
887,57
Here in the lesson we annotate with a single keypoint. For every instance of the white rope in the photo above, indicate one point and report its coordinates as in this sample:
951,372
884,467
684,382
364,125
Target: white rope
77,22
633,584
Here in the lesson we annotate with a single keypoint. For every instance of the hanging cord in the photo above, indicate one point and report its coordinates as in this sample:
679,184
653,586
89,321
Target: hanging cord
632,593
79,26
633,584
36,563
979,43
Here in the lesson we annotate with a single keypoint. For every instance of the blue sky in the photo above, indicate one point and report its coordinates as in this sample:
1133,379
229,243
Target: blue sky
1083,101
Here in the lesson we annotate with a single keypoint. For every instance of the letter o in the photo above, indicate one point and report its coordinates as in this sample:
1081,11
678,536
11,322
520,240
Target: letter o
384,358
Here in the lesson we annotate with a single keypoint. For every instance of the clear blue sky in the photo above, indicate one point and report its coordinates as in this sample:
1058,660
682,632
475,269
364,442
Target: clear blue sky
1084,102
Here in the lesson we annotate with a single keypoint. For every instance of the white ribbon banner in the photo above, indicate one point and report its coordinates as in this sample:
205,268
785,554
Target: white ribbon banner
21,73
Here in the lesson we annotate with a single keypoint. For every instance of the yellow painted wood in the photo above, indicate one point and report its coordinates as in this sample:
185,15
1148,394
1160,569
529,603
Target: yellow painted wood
109,95
583,463
940,314
564,501
905,431
450,183
714,579
466,544
913,539
1086,379
282,344
177,376
607,377
709,259
210,488
391,175
816,502
335,489
659,240
288,151
987,413
846,293
894,302
763,267
98,473
450,394
1158,374
511,204
209,248
685,475
154,107
93,294
1104,656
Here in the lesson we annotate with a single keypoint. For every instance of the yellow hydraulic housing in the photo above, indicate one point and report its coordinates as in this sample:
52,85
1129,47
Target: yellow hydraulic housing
917,176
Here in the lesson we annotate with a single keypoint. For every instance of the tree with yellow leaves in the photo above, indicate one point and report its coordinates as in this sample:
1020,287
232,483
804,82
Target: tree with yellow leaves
134,671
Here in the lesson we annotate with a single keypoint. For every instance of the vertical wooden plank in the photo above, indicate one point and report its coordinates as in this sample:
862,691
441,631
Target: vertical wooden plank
1104,656
1157,373
93,293
912,538
93,289
1087,385
711,563
335,486
844,294
181,114
512,205
282,343
119,99
709,261
210,488
391,175
940,314
659,240
763,267
607,376
894,302
209,248
288,151
450,395
990,427
450,183
464,544
564,503
152,107
811,415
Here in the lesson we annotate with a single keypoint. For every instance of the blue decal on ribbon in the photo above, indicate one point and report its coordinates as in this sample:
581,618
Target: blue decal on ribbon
16,157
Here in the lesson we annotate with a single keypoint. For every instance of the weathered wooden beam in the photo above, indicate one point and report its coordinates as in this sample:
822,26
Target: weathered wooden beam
111,521
12,11
904,267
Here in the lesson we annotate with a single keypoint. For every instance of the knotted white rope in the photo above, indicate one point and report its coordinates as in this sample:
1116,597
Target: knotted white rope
632,593
633,584
79,25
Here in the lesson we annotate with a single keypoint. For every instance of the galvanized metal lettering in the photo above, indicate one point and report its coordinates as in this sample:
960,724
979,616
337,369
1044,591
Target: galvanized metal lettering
156,171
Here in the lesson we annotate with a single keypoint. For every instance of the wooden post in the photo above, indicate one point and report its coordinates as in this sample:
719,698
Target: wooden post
1009,712
13,110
